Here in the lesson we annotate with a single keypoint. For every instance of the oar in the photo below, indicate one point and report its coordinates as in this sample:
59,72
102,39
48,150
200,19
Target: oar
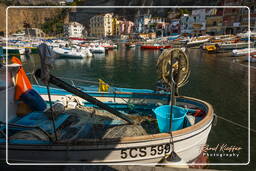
58,82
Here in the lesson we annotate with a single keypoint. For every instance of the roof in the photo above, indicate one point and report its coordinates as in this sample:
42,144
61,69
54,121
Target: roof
75,23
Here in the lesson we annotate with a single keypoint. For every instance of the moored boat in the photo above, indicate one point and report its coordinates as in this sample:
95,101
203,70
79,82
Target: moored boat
14,50
210,47
93,135
108,46
72,52
97,49
237,45
196,42
155,46
251,58
243,52
130,45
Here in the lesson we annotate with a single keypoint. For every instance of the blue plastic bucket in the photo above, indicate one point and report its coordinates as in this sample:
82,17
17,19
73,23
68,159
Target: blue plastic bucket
163,117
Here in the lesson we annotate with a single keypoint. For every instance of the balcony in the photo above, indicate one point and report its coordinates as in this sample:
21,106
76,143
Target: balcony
214,25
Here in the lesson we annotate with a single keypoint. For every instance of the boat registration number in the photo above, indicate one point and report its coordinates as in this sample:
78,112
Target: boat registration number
145,151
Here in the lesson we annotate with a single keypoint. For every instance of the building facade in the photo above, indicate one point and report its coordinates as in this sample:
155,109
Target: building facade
199,17
74,29
101,25
158,25
141,23
186,23
214,25
116,26
244,15
173,27
231,17
126,27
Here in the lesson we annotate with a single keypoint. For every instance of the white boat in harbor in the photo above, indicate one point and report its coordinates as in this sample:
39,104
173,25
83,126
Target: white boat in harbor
251,58
238,45
243,52
245,35
101,134
14,50
97,49
73,52
197,41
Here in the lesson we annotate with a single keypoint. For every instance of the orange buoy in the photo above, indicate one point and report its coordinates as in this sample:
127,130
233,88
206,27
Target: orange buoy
22,82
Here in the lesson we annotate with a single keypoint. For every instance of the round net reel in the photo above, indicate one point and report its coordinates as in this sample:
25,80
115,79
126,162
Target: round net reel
173,66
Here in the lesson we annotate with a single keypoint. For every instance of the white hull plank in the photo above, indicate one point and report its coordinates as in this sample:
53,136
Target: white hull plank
188,147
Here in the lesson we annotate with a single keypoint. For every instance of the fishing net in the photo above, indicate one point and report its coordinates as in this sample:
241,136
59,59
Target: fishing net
87,122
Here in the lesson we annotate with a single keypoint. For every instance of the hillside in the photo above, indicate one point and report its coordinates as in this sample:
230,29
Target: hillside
82,15
36,17
17,17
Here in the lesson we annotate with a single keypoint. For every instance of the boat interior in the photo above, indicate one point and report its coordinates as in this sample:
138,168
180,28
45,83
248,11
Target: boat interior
81,122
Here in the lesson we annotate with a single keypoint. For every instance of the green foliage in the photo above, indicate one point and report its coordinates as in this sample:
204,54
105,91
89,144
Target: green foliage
76,3
185,11
6,2
54,26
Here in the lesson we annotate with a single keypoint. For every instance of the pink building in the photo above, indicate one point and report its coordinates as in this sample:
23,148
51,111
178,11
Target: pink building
126,27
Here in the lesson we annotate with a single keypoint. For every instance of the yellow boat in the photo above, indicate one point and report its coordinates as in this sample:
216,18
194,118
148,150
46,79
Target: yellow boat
210,48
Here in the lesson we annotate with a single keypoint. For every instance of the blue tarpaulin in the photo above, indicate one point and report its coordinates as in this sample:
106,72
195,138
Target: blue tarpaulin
39,119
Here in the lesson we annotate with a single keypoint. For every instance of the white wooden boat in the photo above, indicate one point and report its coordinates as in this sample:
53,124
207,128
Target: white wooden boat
73,52
84,136
252,58
243,52
197,42
246,35
230,46
14,50
140,149
97,49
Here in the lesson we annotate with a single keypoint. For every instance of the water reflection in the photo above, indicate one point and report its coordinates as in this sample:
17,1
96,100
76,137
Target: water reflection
99,56
73,62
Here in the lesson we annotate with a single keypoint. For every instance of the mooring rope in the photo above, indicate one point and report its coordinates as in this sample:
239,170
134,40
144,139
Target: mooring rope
237,124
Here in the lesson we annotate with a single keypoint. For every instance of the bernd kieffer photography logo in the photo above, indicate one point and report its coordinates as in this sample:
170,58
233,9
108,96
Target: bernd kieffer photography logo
221,150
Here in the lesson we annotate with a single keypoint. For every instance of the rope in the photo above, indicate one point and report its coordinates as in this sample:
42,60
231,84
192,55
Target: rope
181,66
237,124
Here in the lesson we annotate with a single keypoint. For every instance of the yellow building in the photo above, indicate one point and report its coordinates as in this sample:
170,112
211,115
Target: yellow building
101,25
148,35
116,25
214,25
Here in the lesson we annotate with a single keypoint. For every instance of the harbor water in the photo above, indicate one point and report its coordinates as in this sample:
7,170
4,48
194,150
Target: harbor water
217,78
